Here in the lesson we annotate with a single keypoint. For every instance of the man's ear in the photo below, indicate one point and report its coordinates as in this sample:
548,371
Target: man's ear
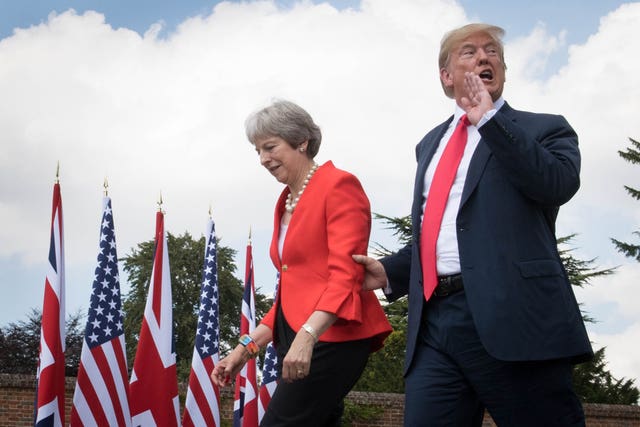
446,78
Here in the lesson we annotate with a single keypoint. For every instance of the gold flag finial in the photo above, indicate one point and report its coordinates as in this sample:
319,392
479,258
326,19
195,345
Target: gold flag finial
160,203
106,187
58,173
209,210
249,234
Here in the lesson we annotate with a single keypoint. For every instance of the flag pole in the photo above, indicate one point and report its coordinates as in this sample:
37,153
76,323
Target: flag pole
160,204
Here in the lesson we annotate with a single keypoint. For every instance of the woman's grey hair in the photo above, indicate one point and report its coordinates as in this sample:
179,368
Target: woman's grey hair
285,120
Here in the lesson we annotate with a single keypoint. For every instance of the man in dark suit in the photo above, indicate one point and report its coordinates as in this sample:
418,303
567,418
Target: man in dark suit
502,328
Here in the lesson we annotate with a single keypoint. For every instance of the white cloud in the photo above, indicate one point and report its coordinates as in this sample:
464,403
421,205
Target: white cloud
613,302
166,115
621,354
527,57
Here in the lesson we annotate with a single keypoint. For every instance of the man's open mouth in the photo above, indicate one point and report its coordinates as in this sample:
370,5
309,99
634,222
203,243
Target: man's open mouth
486,75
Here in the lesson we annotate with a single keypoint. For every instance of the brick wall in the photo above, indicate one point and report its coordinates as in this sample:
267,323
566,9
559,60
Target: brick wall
17,394
17,397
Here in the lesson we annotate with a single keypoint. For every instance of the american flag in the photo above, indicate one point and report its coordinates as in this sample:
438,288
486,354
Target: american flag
202,406
50,385
270,377
270,373
245,405
101,396
154,382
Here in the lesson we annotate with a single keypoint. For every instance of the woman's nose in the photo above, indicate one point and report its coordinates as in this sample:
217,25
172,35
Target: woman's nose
264,158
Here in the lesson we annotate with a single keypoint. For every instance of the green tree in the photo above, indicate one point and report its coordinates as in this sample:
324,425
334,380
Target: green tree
632,155
580,272
20,344
591,380
383,372
593,383
186,258
384,369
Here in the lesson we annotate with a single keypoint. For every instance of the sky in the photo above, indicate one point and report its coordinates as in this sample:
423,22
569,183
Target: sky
152,95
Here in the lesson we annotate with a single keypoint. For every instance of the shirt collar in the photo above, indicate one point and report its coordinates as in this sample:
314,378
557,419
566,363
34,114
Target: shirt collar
459,111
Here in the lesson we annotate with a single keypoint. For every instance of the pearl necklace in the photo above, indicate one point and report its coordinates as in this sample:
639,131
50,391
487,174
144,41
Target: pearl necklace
290,205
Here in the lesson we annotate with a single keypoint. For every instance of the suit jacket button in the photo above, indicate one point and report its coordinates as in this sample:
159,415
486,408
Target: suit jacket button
285,267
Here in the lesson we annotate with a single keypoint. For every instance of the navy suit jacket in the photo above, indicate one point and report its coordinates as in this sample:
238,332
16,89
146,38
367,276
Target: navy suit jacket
525,166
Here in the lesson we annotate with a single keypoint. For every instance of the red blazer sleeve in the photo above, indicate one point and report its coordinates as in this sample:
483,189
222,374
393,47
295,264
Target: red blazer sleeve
348,224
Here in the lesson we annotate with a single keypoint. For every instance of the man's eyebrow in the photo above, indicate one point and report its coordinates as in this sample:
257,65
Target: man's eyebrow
465,46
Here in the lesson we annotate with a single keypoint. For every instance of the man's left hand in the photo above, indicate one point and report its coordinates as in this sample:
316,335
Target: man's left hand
478,100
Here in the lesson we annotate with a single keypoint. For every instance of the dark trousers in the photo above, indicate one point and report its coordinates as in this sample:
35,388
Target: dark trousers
316,400
453,379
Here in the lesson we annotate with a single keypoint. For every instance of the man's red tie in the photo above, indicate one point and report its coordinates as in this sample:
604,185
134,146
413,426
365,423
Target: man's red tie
436,202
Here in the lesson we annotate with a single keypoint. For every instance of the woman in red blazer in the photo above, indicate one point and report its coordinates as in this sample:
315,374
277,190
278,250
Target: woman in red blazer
322,322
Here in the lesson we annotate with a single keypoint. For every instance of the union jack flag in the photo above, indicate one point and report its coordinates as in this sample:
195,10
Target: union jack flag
202,406
101,396
245,405
154,382
50,375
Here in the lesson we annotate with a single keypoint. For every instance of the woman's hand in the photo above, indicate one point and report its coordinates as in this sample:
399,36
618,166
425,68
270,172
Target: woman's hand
297,362
230,366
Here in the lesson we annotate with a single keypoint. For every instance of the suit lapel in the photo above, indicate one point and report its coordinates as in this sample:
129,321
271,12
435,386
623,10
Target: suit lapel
479,161
306,205
426,149
476,167
277,218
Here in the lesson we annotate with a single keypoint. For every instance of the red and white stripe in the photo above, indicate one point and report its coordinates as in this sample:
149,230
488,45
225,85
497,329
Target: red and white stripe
101,394
202,407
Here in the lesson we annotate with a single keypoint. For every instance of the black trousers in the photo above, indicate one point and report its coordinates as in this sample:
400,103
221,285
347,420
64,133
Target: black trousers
453,378
316,400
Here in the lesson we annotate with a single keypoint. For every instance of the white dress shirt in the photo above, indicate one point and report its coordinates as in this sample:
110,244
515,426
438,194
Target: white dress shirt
447,256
